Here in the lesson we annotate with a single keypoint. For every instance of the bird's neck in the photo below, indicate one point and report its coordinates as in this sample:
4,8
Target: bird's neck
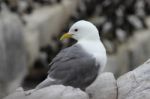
96,49
92,46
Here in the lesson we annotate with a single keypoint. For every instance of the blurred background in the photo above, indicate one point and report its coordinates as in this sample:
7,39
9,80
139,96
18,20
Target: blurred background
124,28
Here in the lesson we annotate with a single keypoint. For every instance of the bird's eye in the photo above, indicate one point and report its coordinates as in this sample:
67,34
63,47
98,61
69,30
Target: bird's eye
75,30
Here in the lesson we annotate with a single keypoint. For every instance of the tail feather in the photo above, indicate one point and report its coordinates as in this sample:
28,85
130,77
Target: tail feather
47,82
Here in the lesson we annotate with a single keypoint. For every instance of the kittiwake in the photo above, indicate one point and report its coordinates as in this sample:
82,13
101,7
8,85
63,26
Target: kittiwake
78,65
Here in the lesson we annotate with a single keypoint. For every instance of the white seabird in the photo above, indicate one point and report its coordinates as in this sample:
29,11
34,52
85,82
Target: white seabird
78,65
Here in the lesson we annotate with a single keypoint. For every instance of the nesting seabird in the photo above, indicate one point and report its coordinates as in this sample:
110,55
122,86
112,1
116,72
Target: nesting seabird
78,65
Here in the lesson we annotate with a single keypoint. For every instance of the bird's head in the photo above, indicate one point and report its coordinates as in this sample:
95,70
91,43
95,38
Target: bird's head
82,30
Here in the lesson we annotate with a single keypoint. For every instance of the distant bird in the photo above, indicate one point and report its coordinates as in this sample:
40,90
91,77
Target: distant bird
78,65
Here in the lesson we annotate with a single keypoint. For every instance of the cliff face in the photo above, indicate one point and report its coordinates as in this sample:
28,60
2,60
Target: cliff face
12,53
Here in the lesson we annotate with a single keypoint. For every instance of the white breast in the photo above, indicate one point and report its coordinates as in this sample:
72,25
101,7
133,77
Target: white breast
97,50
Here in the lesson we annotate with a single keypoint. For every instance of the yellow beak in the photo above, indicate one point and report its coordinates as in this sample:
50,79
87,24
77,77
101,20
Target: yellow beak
65,36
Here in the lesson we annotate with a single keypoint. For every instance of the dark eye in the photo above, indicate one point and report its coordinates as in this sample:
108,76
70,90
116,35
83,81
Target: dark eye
75,30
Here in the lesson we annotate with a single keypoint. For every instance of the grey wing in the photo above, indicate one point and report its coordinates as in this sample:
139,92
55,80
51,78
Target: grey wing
74,67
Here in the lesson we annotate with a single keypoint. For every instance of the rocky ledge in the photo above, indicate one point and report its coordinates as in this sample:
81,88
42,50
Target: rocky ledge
132,85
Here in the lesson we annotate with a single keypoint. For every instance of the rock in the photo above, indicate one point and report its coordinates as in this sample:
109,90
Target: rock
32,45
39,31
52,92
50,21
131,54
139,48
118,63
12,51
132,85
103,88
135,84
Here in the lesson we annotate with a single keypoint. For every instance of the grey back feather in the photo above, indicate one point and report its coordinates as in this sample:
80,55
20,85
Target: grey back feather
72,67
